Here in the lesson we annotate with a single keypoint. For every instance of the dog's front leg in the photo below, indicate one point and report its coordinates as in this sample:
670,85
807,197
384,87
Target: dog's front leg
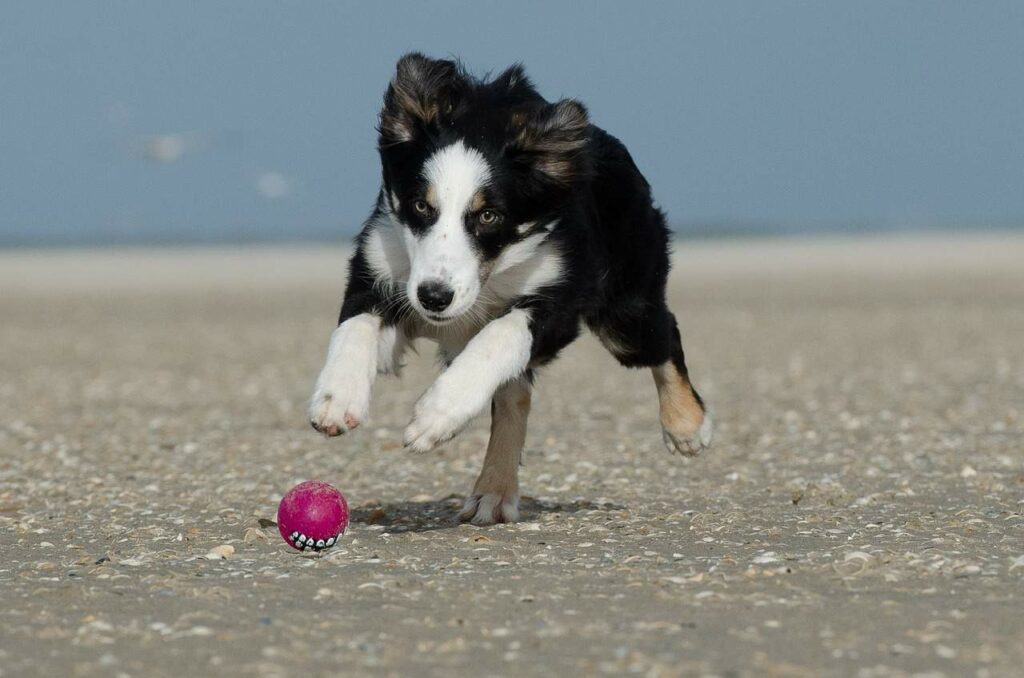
499,353
341,398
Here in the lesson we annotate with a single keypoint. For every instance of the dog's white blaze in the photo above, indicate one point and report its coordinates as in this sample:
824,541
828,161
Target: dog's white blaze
456,173
444,253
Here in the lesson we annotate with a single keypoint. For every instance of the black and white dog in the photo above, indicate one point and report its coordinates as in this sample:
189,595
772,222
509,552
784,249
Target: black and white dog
503,224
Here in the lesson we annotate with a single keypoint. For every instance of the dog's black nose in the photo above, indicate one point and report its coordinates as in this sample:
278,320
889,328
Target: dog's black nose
435,295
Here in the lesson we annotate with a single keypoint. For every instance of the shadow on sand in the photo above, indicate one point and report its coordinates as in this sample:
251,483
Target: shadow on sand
424,516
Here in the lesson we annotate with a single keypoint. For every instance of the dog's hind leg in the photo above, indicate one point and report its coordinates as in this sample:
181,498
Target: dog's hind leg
495,497
685,422
651,339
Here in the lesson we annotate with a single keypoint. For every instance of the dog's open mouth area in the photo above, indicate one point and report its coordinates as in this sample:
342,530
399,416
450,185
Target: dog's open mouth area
449,318
437,319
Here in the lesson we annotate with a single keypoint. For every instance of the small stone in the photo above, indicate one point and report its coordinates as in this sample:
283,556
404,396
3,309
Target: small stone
221,552
254,535
966,571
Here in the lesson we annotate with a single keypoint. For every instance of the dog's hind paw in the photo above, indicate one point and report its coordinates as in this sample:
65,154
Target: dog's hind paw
488,509
689,443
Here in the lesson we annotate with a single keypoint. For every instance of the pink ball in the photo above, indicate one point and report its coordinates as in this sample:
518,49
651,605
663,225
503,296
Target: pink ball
312,515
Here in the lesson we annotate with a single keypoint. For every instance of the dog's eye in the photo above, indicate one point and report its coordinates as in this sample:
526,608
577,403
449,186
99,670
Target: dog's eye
488,218
421,206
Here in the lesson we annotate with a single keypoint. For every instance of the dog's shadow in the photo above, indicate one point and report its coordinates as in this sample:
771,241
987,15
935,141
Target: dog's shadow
426,516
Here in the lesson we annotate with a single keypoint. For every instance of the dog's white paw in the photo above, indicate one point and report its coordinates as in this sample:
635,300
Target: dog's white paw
429,428
488,509
341,399
688,443
340,406
438,416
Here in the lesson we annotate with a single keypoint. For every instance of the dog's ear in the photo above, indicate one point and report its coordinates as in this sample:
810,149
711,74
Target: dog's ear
422,90
550,141
515,82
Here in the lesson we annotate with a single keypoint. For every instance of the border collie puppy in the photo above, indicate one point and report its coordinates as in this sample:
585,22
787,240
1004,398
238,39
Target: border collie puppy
504,223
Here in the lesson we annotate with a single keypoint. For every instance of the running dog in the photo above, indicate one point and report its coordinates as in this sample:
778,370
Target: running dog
504,223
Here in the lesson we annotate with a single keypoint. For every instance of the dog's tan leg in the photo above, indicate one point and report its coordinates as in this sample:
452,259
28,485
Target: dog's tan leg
686,426
495,497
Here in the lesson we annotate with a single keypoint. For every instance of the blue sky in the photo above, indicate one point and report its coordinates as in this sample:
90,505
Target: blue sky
156,121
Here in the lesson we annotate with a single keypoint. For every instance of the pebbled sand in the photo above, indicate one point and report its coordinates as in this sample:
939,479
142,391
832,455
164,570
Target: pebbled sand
861,513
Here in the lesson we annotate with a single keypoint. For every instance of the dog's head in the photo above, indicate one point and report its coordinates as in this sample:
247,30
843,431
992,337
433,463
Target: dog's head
475,172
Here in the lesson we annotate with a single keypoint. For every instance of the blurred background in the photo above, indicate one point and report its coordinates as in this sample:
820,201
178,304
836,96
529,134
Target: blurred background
146,122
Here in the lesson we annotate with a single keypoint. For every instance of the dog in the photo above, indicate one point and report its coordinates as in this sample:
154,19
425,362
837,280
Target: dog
504,223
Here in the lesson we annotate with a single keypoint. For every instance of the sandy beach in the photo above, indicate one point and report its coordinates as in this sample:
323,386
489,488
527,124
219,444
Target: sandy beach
861,511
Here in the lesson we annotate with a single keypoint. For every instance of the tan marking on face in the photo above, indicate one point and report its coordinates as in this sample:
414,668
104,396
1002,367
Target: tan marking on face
681,412
478,202
431,196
